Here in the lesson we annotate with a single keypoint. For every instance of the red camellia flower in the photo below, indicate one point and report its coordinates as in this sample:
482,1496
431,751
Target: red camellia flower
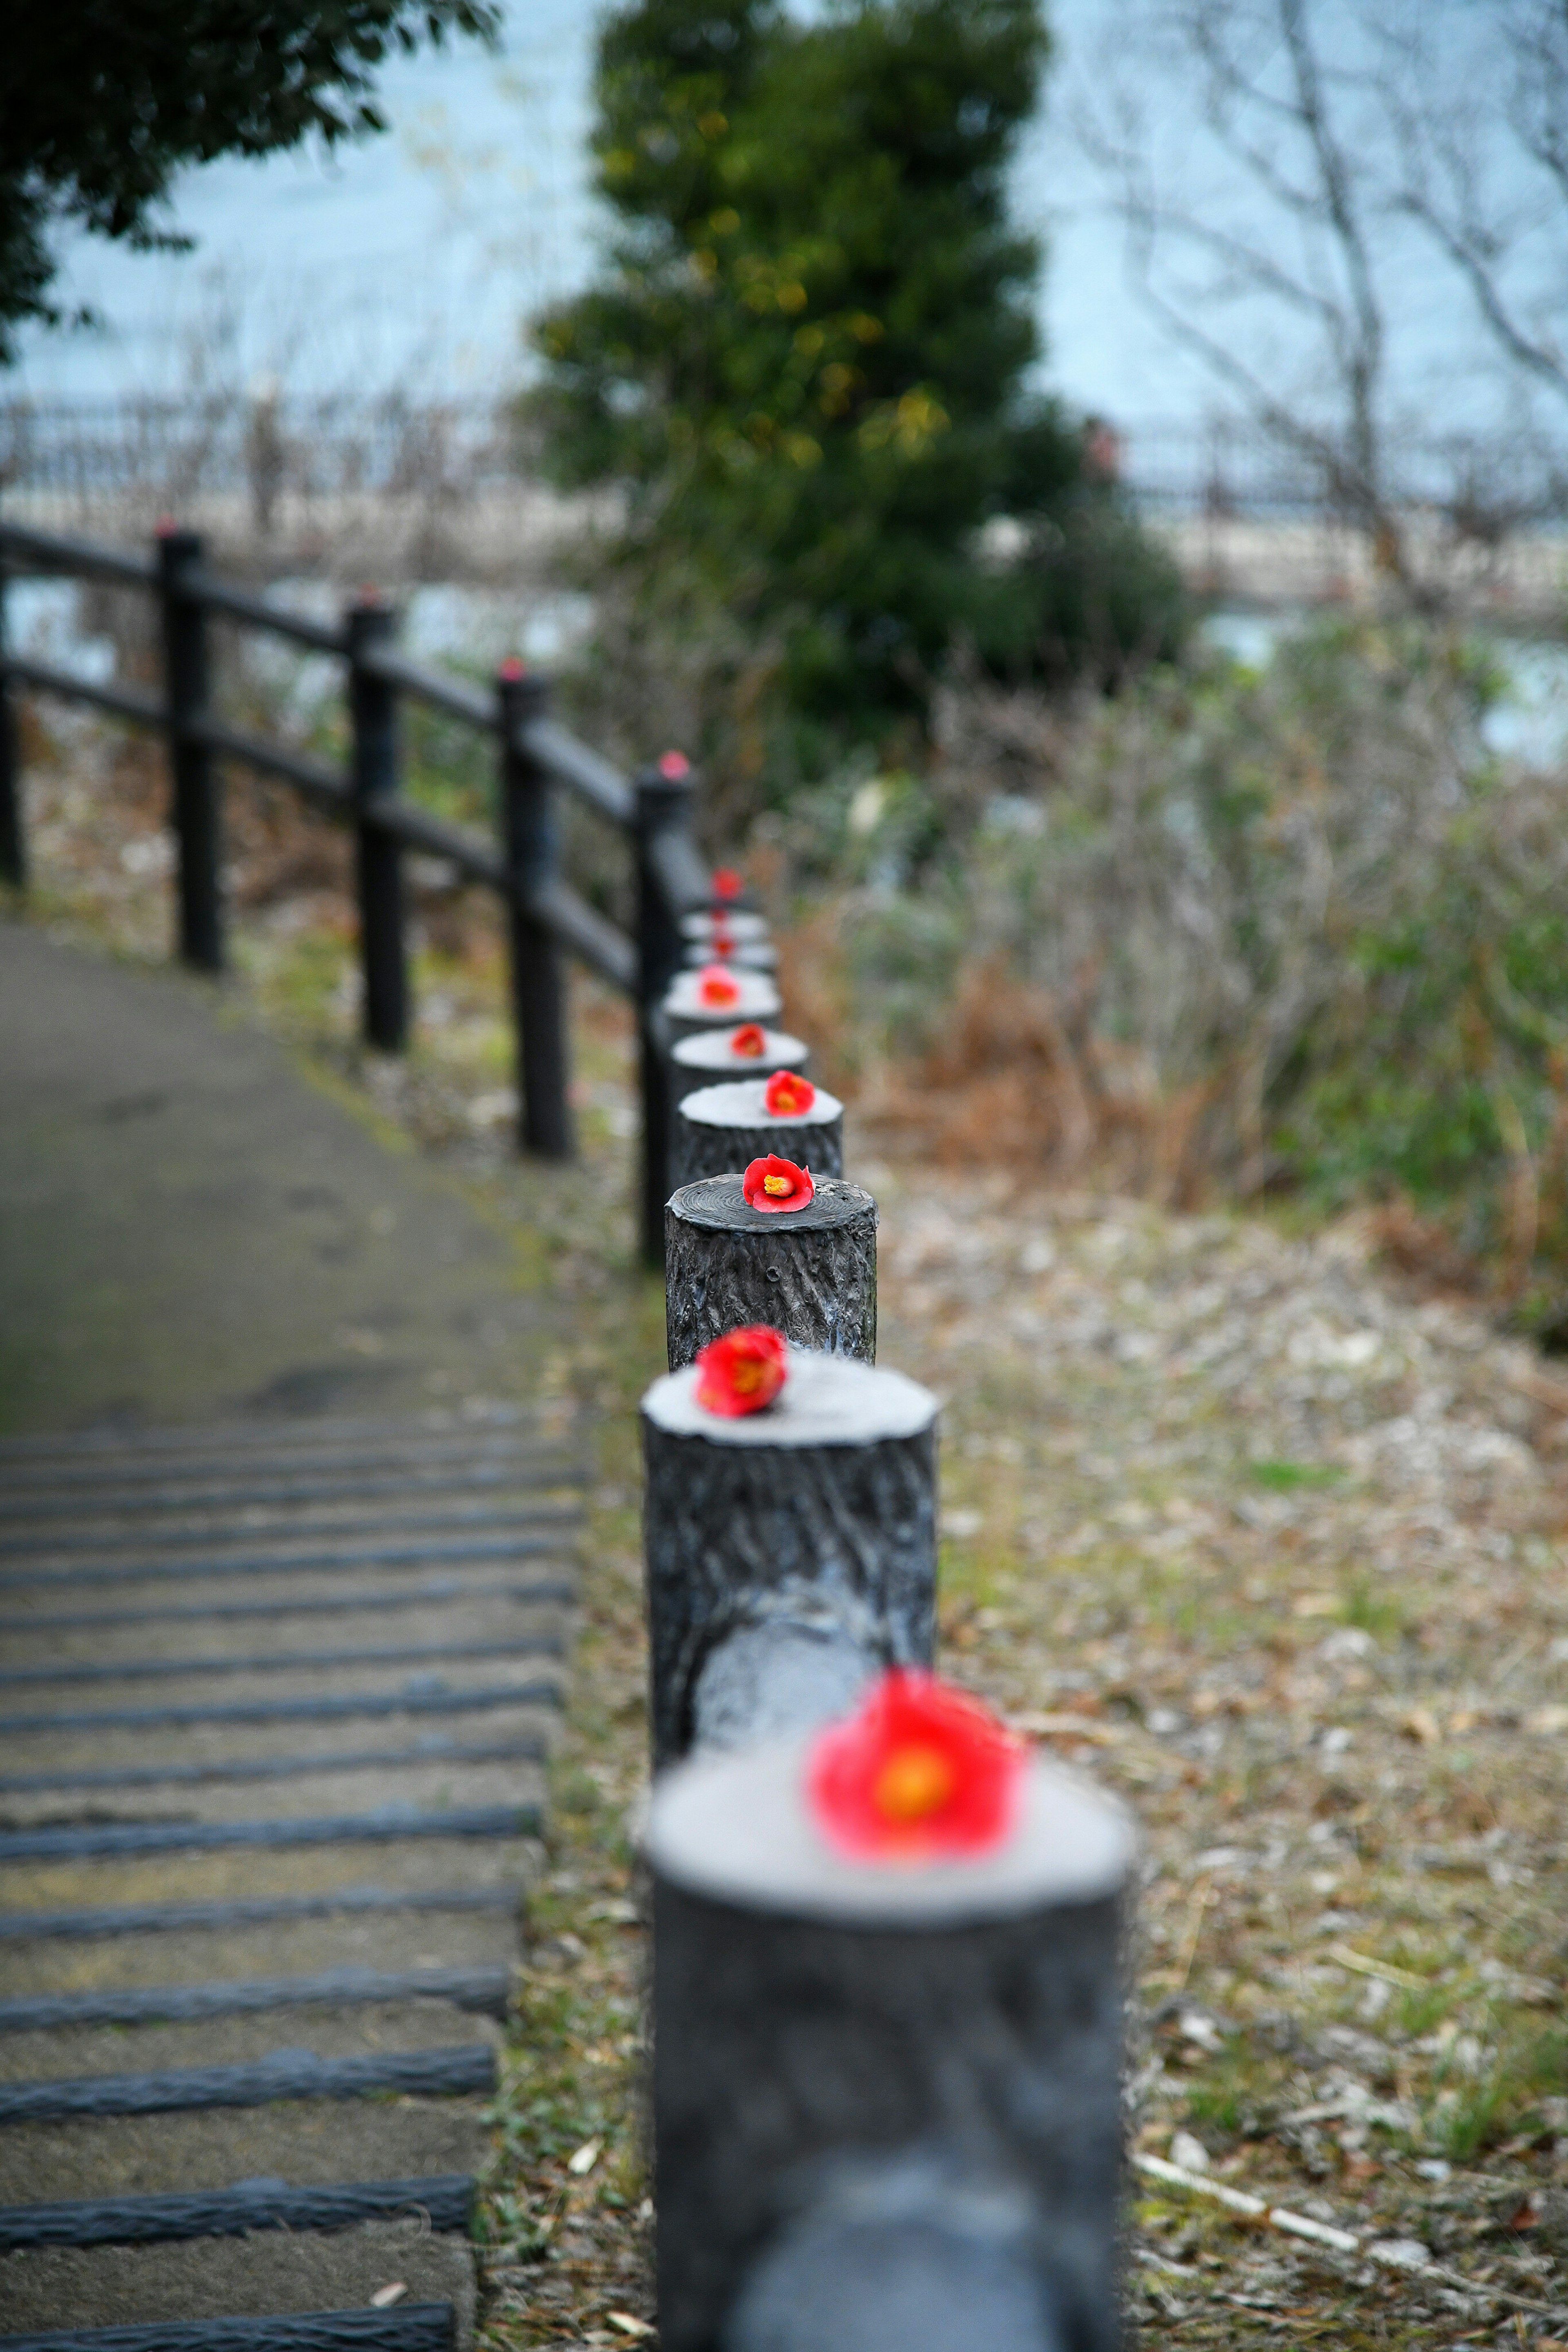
743,1371
923,1772
723,944
748,1040
716,986
727,883
789,1094
775,1183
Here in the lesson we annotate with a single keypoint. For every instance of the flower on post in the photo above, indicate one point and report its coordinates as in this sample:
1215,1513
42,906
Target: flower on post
717,987
922,1773
749,1039
775,1183
742,1371
723,944
789,1094
727,883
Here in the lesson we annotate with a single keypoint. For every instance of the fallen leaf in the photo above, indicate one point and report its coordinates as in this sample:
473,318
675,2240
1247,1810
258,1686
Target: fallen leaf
586,2157
628,2325
1421,1724
385,2297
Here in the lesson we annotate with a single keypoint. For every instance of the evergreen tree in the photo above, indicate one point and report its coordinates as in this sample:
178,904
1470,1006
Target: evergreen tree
807,363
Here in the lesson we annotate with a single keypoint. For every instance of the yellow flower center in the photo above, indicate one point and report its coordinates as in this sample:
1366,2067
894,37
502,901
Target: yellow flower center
775,1186
915,1781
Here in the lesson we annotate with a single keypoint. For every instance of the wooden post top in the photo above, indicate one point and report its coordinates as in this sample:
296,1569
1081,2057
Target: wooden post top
710,1049
735,1826
825,1400
755,999
742,1103
718,1202
739,925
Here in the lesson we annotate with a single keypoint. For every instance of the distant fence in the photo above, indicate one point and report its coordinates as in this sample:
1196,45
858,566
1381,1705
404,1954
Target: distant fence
270,450
547,917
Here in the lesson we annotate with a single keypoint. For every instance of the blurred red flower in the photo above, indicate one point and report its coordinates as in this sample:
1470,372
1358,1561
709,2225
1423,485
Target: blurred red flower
726,882
716,986
775,1183
748,1040
789,1094
743,1371
923,1771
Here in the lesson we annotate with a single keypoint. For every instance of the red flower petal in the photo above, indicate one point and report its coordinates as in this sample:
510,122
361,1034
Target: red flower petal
743,1371
923,1771
789,1094
748,1040
726,882
716,986
775,1183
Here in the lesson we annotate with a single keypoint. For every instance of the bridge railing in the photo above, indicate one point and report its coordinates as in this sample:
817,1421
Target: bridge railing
537,760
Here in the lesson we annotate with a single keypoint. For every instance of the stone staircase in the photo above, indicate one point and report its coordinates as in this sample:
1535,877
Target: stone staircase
274,1705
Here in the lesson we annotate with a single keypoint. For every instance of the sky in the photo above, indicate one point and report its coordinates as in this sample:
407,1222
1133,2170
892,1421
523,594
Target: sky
413,258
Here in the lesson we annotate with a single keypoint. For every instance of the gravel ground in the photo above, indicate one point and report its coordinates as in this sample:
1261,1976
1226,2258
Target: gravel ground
1265,1543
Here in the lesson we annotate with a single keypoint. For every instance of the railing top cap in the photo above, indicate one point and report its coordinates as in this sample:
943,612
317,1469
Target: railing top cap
742,1103
718,1202
710,1049
735,1827
755,999
825,1400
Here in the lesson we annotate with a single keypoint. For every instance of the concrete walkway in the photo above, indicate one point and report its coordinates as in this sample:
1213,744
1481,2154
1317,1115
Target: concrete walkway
189,1231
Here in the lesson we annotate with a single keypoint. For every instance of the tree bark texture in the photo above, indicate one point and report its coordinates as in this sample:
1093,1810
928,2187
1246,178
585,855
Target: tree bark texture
894,2120
755,999
720,1130
792,1554
810,1272
707,1058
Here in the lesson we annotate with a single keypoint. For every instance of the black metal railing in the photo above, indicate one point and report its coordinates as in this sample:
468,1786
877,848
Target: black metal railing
537,760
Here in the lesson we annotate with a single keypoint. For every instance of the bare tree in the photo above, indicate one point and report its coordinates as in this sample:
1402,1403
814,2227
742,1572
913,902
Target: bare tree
1293,174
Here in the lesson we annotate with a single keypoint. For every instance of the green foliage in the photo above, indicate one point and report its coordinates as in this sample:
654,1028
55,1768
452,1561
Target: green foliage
806,364
100,108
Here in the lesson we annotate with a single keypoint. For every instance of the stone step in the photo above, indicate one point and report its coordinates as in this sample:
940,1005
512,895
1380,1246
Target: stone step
24,1515
444,2202
300,2140
85,1477
262,1751
236,1874
514,1423
174,1817
271,2272
385,1939
91,1564
483,1991
168,1604
86,1653
398,2026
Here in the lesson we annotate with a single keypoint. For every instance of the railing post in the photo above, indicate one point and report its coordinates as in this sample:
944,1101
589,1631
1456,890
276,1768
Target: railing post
196,813
373,709
663,804
538,981
12,840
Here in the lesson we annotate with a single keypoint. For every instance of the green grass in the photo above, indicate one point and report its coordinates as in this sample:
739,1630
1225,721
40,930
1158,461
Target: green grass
1287,1478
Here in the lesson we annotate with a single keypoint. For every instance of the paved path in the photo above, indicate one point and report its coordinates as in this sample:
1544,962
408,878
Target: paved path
189,1231
276,1683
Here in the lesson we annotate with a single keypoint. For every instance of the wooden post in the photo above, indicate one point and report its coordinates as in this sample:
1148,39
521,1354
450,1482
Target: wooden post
685,1014
196,811
539,979
810,1272
13,830
373,709
746,955
744,929
885,2098
708,1057
720,1129
792,1554
663,804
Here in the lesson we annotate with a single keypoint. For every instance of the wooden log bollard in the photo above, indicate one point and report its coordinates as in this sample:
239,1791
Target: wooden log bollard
746,955
709,1055
810,1272
885,2095
736,923
686,1013
720,1130
791,1553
